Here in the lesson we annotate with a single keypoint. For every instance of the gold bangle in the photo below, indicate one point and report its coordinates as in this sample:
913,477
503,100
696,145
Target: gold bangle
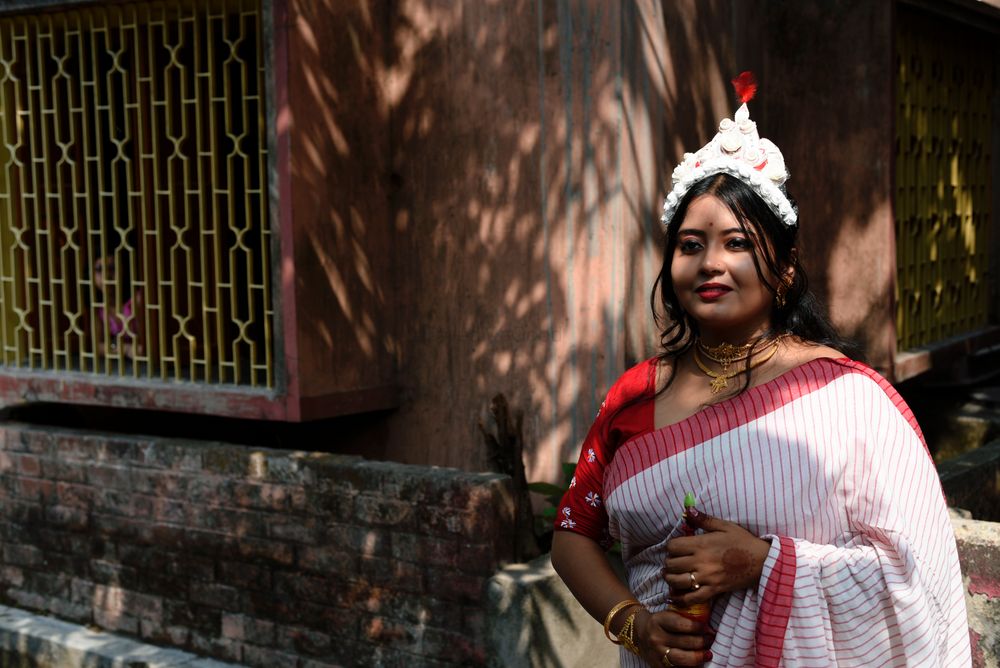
611,615
627,635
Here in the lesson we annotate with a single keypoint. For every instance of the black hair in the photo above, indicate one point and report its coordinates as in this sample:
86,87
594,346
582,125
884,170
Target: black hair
773,246
119,249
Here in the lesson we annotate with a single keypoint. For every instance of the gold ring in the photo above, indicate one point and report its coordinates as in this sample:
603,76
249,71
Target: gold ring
694,582
666,659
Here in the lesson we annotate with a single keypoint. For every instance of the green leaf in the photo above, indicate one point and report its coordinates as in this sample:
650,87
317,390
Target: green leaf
546,488
549,513
569,469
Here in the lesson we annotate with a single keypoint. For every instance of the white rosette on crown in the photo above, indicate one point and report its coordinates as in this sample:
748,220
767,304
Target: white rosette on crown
737,150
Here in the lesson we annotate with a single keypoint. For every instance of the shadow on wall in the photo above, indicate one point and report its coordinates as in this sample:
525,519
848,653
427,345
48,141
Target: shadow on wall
855,86
528,163
335,122
529,145
828,105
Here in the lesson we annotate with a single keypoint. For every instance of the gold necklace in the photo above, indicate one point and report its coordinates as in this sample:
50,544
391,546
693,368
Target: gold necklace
720,381
725,354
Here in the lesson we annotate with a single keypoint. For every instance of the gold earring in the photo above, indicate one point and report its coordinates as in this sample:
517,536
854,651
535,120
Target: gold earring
779,295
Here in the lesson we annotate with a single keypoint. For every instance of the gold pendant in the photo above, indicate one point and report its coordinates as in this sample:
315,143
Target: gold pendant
718,384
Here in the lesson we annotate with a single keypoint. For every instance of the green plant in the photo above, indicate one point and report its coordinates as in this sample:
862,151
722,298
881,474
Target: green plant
553,493
545,519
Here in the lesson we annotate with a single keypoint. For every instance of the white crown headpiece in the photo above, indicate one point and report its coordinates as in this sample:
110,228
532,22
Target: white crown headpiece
738,150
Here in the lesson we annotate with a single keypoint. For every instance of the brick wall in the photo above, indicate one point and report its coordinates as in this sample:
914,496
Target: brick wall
261,557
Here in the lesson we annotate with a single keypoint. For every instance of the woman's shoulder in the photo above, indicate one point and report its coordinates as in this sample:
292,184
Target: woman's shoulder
866,385
805,355
635,382
627,409
862,380
637,378
797,351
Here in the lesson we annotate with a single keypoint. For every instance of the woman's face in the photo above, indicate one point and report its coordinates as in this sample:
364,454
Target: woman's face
104,271
714,276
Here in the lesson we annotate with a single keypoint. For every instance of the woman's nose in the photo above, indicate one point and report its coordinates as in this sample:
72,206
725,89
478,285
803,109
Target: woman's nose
711,262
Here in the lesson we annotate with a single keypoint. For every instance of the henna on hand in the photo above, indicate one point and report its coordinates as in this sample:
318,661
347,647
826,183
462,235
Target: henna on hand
739,562
726,558
745,562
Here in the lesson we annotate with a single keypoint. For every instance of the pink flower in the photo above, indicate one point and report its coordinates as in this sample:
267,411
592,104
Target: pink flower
593,499
567,524
591,455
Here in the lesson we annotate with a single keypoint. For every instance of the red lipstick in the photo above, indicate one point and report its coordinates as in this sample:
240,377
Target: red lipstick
712,291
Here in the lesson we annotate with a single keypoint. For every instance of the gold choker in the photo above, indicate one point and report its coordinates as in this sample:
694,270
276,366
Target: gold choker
725,354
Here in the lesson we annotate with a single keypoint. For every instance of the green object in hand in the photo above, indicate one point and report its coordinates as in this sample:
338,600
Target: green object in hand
689,501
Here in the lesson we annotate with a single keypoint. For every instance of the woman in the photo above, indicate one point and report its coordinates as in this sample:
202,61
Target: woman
117,324
824,538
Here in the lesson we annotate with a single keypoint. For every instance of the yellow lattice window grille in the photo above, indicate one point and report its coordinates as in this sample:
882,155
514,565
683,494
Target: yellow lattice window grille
134,235
945,80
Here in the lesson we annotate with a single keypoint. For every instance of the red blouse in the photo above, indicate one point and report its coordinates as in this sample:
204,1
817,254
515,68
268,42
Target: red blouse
627,412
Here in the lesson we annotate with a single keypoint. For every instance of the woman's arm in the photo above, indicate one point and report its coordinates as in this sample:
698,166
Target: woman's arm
581,536
583,566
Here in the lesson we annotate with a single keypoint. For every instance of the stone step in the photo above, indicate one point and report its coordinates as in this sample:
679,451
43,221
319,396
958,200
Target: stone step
982,365
972,481
987,395
27,639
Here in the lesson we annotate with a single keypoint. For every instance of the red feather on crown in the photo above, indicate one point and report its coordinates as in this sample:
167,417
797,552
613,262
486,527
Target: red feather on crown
736,149
746,86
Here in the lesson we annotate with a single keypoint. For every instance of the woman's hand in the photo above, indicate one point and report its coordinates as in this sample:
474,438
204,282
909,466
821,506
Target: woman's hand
725,558
687,640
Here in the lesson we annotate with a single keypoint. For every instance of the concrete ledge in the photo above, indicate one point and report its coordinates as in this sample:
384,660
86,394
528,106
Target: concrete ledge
32,641
942,354
972,481
533,621
979,553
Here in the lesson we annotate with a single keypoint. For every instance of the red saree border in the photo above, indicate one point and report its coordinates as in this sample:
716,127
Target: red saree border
717,419
776,606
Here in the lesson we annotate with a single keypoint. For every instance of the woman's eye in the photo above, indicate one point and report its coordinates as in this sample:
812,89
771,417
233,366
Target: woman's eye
739,242
689,246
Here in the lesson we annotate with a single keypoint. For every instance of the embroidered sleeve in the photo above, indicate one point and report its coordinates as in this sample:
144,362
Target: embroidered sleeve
582,508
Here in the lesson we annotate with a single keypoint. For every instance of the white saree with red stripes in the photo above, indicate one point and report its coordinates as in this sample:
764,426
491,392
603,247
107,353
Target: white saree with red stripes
827,462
